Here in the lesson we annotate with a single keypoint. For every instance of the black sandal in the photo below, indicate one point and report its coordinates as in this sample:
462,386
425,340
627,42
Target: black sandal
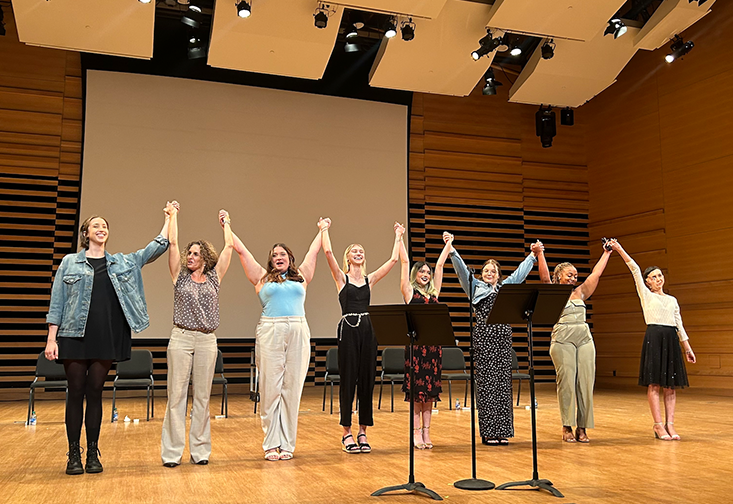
351,447
364,447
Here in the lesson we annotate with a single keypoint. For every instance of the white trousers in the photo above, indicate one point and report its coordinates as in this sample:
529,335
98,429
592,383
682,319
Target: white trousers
191,356
282,352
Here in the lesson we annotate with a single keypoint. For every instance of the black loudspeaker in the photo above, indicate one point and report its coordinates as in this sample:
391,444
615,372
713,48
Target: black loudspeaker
567,117
545,125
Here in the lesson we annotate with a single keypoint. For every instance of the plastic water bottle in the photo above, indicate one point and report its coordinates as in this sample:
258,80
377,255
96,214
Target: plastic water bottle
115,415
33,419
458,405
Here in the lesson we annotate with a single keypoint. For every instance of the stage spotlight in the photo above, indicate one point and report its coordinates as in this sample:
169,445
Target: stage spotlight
323,12
616,27
408,30
144,1
516,50
490,83
2,24
390,28
192,16
352,32
545,125
678,48
196,47
548,50
699,2
486,45
351,47
244,9
567,117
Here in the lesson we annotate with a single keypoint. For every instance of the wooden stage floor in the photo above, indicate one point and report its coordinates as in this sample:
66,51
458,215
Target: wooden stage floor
622,464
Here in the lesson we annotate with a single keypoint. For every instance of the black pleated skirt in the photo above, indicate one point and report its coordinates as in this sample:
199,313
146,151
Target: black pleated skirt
662,362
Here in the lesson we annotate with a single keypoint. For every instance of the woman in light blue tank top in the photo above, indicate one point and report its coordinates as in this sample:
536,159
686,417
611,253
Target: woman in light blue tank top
282,347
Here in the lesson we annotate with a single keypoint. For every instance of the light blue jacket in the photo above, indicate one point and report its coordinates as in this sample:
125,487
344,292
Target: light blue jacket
480,288
71,294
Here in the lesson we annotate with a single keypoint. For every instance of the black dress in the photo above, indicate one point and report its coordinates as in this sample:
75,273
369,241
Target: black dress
357,354
493,373
427,362
107,335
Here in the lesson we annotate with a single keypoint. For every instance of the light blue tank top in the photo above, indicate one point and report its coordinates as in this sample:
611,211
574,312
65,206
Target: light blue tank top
285,299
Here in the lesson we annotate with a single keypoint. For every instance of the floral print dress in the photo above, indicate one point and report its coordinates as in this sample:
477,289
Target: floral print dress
427,363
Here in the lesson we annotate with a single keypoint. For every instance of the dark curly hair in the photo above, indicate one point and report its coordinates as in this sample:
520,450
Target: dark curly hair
273,275
208,254
83,237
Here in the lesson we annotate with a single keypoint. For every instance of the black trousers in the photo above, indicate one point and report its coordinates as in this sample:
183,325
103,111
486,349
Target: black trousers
358,370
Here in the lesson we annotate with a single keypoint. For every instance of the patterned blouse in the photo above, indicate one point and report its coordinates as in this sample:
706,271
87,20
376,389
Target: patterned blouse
196,305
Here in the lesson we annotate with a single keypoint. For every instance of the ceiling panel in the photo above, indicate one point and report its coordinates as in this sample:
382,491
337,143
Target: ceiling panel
570,19
418,8
438,59
120,27
577,72
279,38
672,17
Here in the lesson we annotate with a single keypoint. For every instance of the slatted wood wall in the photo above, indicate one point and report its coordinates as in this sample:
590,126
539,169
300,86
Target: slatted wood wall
659,158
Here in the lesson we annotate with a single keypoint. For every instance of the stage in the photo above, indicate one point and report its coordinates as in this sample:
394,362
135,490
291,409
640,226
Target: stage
622,464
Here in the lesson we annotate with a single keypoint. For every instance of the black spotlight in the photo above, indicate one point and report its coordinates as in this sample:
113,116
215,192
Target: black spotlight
486,45
678,48
567,117
244,9
192,16
390,28
616,27
196,47
545,125
491,83
408,30
548,49
320,19
699,2
2,24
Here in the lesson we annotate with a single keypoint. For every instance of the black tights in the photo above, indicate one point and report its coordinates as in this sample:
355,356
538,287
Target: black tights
86,378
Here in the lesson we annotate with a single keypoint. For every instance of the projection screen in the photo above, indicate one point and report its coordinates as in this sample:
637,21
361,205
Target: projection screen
276,160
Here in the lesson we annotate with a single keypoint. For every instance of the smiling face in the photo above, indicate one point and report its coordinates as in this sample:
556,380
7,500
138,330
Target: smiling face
94,230
194,261
568,276
356,255
490,273
280,259
423,276
655,280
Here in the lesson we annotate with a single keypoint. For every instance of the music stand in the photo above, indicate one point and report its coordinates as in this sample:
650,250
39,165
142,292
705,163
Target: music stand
533,303
409,325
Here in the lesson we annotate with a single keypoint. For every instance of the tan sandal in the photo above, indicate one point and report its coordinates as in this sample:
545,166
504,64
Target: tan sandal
675,437
428,446
568,436
663,437
419,445
272,455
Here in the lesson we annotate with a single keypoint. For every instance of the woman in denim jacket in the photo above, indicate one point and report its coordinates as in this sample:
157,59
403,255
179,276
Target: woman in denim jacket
96,299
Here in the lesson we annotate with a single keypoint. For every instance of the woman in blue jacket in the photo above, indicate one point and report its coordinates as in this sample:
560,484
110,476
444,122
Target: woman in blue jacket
96,300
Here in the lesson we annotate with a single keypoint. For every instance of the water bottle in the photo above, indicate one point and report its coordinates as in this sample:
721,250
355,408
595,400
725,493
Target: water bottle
33,419
458,404
115,415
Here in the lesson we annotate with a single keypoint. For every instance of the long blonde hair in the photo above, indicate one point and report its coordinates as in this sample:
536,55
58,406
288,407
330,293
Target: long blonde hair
430,290
347,266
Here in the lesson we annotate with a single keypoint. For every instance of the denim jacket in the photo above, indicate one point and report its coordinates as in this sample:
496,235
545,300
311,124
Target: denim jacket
71,294
480,288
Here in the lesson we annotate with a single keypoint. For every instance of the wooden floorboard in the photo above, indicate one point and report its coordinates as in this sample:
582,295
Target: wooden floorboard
622,464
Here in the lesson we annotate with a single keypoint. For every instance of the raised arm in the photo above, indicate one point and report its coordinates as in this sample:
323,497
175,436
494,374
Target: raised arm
465,277
252,269
174,253
399,231
308,266
155,248
222,265
522,272
634,268
442,258
539,251
405,285
338,276
588,287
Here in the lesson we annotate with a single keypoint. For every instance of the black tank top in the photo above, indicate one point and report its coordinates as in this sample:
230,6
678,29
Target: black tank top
354,299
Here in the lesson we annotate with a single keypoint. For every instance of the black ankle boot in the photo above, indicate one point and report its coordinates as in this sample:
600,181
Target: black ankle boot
93,463
73,466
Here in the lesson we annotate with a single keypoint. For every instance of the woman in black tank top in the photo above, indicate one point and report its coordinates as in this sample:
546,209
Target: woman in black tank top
357,355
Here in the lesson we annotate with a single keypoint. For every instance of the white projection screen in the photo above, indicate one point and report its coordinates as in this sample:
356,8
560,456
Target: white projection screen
276,160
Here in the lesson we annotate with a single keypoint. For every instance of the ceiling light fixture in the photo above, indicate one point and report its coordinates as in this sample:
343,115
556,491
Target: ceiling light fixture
144,1
192,16
390,28
548,49
516,50
2,23
545,125
408,30
490,83
678,48
323,12
567,117
615,27
196,47
244,9
699,2
486,45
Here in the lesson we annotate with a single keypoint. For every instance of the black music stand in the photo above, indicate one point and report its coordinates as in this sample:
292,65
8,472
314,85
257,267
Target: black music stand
533,303
409,325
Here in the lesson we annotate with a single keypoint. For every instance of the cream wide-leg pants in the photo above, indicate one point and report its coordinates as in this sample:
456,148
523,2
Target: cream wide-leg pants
191,356
282,351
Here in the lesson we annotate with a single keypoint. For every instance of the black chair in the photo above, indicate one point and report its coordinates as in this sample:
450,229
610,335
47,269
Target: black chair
54,376
219,379
453,360
516,375
332,374
136,373
393,370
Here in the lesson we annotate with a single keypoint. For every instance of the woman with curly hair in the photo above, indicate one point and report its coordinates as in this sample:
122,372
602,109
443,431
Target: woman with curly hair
196,274
282,345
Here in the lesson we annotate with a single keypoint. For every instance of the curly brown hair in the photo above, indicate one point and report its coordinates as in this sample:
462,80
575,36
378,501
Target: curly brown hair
208,254
273,275
83,237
